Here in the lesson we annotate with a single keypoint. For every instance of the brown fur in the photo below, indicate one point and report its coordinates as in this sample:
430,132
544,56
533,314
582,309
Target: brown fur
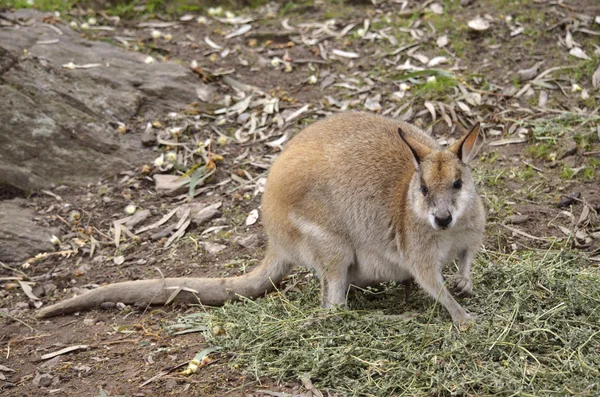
346,199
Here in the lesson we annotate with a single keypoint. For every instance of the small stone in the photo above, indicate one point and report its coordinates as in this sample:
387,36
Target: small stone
44,289
568,200
170,384
516,219
213,248
149,138
249,242
121,306
43,380
568,150
81,270
571,162
108,305
206,214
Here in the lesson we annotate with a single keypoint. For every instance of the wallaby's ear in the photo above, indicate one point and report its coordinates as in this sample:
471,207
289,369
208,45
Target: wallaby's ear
418,149
464,146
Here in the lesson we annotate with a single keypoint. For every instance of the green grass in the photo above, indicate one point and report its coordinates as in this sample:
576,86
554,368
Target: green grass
541,150
44,5
537,333
135,8
435,89
586,174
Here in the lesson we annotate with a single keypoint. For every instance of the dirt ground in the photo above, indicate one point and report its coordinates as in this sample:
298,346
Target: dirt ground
129,352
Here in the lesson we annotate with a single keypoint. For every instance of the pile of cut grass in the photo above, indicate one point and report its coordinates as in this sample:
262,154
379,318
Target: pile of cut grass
537,333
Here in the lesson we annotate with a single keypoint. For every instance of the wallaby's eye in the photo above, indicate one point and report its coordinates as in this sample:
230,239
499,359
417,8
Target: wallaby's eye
458,184
424,190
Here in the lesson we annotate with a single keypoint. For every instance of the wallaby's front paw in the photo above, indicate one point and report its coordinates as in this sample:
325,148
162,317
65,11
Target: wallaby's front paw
464,286
464,322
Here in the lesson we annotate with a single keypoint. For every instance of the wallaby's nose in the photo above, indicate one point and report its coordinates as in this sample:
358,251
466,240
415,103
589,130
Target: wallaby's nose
443,222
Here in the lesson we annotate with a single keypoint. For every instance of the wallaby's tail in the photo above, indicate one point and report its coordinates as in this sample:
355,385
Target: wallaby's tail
208,291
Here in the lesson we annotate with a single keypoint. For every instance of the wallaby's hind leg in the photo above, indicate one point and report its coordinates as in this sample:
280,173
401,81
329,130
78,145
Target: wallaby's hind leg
336,288
429,277
332,260
329,255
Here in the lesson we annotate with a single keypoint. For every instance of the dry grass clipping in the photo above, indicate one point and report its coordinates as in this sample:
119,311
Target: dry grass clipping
537,333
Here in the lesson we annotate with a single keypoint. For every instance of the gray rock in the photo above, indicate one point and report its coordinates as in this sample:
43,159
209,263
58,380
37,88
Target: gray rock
249,242
569,149
58,124
43,380
203,215
517,219
20,237
44,289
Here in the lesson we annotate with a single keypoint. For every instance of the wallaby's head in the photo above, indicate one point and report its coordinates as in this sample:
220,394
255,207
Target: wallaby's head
442,187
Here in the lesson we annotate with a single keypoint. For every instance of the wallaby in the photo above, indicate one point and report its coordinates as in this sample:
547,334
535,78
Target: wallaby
361,199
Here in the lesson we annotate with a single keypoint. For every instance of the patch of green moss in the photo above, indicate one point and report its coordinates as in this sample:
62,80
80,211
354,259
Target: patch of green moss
435,88
540,150
43,5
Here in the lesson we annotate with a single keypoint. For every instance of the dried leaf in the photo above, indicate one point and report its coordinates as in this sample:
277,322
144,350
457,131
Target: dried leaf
529,73
421,58
543,99
26,287
180,232
252,218
71,66
479,24
522,233
508,141
437,61
212,44
240,31
442,41
372,103
569,40
436,8
297,113
579,53
117,227
170,185
156,24
517,31
345,54
464,107
162,220
64,351
596,78
278,142
585,213
431,109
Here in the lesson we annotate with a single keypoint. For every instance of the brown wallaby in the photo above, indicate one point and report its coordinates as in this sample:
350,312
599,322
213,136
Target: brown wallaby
359,198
